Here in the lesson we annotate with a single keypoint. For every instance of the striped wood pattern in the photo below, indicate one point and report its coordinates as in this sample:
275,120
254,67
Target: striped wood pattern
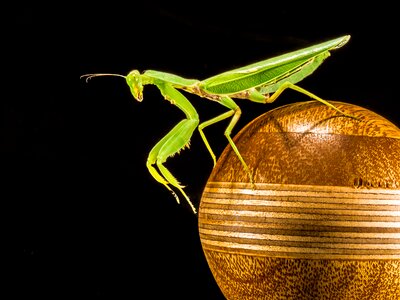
299,221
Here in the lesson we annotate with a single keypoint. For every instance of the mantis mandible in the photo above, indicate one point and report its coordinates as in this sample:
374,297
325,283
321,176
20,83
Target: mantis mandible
260,82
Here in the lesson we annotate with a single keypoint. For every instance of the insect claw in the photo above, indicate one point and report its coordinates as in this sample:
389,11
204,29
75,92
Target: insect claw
352,117
253,186
251,180
176,196
214,159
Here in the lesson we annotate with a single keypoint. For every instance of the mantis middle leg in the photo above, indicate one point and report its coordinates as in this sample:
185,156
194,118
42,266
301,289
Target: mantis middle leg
175,141
235,113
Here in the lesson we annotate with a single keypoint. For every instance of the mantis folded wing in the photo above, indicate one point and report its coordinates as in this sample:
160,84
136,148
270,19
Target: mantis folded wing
260,82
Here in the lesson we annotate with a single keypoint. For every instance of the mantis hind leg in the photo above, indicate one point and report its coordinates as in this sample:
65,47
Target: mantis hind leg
292,86
175,141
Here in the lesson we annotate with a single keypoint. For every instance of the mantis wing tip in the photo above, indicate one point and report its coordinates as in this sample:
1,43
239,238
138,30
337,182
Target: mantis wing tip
343,41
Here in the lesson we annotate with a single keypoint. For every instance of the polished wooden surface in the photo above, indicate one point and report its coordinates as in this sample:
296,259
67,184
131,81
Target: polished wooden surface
323,219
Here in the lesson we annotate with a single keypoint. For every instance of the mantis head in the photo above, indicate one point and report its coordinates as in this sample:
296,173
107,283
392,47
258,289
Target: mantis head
134,80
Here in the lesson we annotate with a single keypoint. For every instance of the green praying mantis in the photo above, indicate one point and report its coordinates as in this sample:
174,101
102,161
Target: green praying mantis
260,82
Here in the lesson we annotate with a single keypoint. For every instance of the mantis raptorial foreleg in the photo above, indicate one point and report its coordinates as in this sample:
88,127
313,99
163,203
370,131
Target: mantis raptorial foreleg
176,140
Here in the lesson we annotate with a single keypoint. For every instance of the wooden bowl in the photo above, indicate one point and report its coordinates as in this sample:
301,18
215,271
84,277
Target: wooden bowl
323,218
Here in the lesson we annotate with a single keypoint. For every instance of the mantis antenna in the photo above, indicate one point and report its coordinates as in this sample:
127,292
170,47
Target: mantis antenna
89,76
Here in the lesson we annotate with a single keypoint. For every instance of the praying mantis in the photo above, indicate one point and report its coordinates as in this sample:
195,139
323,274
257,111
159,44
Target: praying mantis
260,82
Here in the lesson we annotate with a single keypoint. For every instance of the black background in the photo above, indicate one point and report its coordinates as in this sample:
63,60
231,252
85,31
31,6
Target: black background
85,217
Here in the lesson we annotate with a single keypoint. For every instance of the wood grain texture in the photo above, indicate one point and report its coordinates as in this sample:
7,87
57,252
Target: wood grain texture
323,219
